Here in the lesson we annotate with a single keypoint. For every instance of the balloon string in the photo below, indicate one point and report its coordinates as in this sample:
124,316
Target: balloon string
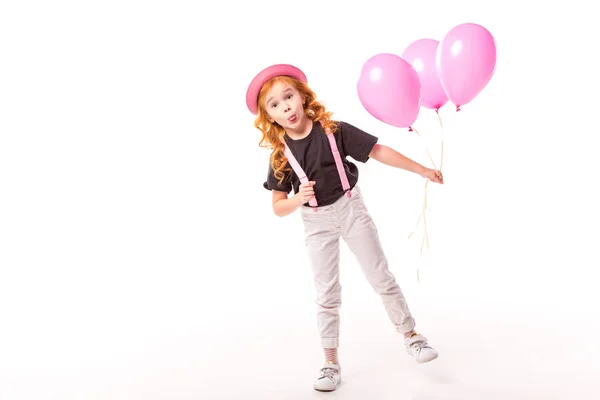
425,239
423,216
426,149
442,134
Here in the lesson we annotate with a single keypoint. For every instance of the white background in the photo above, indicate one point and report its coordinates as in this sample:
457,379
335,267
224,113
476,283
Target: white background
139,255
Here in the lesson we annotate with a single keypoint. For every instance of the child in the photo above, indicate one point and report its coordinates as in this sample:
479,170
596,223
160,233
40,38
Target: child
302,136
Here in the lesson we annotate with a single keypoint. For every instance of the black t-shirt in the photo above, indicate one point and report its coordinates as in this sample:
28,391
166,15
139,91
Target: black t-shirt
314,155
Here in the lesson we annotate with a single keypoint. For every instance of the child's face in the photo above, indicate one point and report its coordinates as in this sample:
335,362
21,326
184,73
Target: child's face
284,104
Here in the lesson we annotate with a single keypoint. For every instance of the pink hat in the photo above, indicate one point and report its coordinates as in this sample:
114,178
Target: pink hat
266,74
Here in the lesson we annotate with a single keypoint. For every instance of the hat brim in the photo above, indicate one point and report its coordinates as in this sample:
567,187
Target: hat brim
263,76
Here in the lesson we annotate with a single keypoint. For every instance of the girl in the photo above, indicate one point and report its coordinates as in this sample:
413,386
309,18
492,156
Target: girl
309,152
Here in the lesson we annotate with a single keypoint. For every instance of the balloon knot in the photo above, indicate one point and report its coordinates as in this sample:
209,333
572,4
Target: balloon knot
457,108
410,129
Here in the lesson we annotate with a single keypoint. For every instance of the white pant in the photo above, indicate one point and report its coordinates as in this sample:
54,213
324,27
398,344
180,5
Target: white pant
348,218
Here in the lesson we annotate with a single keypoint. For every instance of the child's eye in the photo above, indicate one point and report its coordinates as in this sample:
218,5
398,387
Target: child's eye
289,96
273,105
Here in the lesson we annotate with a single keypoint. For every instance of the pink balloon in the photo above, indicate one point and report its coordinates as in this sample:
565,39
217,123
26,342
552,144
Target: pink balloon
421,54
466,62
390,90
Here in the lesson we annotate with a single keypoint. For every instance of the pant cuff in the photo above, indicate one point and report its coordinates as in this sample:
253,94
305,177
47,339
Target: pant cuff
407,327
329,343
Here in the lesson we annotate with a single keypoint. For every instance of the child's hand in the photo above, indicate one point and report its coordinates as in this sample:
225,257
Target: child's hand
433,175
306,192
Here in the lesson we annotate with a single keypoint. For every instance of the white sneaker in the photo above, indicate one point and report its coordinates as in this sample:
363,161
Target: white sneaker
329,378
417,347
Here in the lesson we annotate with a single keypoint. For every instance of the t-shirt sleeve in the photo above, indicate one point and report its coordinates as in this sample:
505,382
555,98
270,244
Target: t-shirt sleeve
272,183
356,143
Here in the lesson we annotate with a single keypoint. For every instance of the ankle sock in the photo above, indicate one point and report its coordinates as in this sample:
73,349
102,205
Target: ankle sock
331,356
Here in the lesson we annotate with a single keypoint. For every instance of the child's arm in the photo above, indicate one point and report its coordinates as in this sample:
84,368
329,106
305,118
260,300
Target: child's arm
391,157
282,205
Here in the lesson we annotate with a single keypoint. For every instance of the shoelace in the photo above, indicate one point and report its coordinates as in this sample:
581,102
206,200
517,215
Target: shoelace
419,345
328,373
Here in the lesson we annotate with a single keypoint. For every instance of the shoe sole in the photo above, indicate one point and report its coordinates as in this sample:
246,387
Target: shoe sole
325,390
329,390
427,360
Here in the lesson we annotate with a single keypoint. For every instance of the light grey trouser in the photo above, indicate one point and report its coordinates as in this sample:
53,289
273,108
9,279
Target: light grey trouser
349,219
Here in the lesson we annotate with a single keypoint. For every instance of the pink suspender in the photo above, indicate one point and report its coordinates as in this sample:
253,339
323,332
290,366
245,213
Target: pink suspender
298,170
338,162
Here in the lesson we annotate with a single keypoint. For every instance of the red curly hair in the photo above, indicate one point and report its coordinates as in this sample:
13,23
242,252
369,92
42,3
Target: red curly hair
272,133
